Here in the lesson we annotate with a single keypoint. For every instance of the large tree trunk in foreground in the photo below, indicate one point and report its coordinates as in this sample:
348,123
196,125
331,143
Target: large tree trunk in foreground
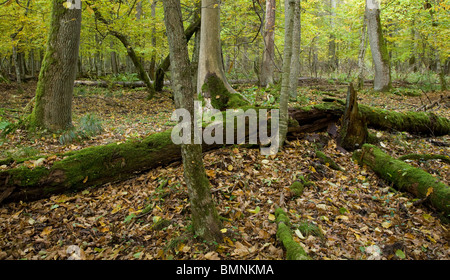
205,220
378,47
53,101
406,177
96,166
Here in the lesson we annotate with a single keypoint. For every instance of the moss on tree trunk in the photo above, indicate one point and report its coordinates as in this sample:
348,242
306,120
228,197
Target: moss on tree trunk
406,177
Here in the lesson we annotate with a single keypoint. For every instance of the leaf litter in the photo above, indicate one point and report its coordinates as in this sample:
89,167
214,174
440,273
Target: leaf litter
354,214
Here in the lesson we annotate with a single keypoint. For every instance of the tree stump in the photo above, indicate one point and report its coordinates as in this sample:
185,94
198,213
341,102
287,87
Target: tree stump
353,132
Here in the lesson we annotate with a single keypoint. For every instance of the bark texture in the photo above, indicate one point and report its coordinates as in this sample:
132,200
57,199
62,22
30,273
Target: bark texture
210,59
53,107
287,57
295,60
353,132
267,66
205,220
378,47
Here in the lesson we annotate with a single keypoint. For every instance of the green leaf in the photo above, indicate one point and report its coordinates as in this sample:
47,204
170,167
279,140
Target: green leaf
54,206
137,255
399,253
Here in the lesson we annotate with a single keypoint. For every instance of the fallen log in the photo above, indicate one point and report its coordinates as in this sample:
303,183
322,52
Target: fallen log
406,177
96,166
294,251
318,117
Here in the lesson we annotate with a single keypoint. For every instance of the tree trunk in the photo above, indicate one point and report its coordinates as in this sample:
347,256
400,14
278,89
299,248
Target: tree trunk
317,117
295,60
153,39
210,60
267,66
205,220
380,55
287,57
406,178
53,103
114,63
17,67
362,54
332,43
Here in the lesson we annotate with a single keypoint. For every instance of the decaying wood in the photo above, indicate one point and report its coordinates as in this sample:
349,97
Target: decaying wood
353,132
406,177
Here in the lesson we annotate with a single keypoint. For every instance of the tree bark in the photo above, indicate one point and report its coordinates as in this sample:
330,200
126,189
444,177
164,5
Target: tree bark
205,220
295,60
287,57
53,101
406,178
267,65
362,54
333,62
353,132
380,55
210,60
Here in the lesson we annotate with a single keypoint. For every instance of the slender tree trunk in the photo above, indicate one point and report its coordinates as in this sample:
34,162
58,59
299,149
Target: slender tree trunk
380,55
362,54
205,219
53,101
332,43
295,60
287,57
210,60
153,39
114,64
267,66
17,67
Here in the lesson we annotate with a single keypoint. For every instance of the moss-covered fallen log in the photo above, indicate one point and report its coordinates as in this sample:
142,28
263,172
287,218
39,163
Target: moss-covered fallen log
314,118
89,167
95,166
294,251
406,177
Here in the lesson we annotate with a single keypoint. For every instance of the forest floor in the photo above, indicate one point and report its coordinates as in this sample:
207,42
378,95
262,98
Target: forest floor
350,214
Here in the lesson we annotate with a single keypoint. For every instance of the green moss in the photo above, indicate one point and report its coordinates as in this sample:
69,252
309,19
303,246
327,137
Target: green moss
328,161
293,250
297,188
221,98
405,177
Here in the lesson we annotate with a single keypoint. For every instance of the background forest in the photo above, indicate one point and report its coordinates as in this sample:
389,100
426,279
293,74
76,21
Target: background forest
88,169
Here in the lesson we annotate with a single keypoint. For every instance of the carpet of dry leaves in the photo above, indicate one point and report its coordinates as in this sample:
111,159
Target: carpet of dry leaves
360,216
